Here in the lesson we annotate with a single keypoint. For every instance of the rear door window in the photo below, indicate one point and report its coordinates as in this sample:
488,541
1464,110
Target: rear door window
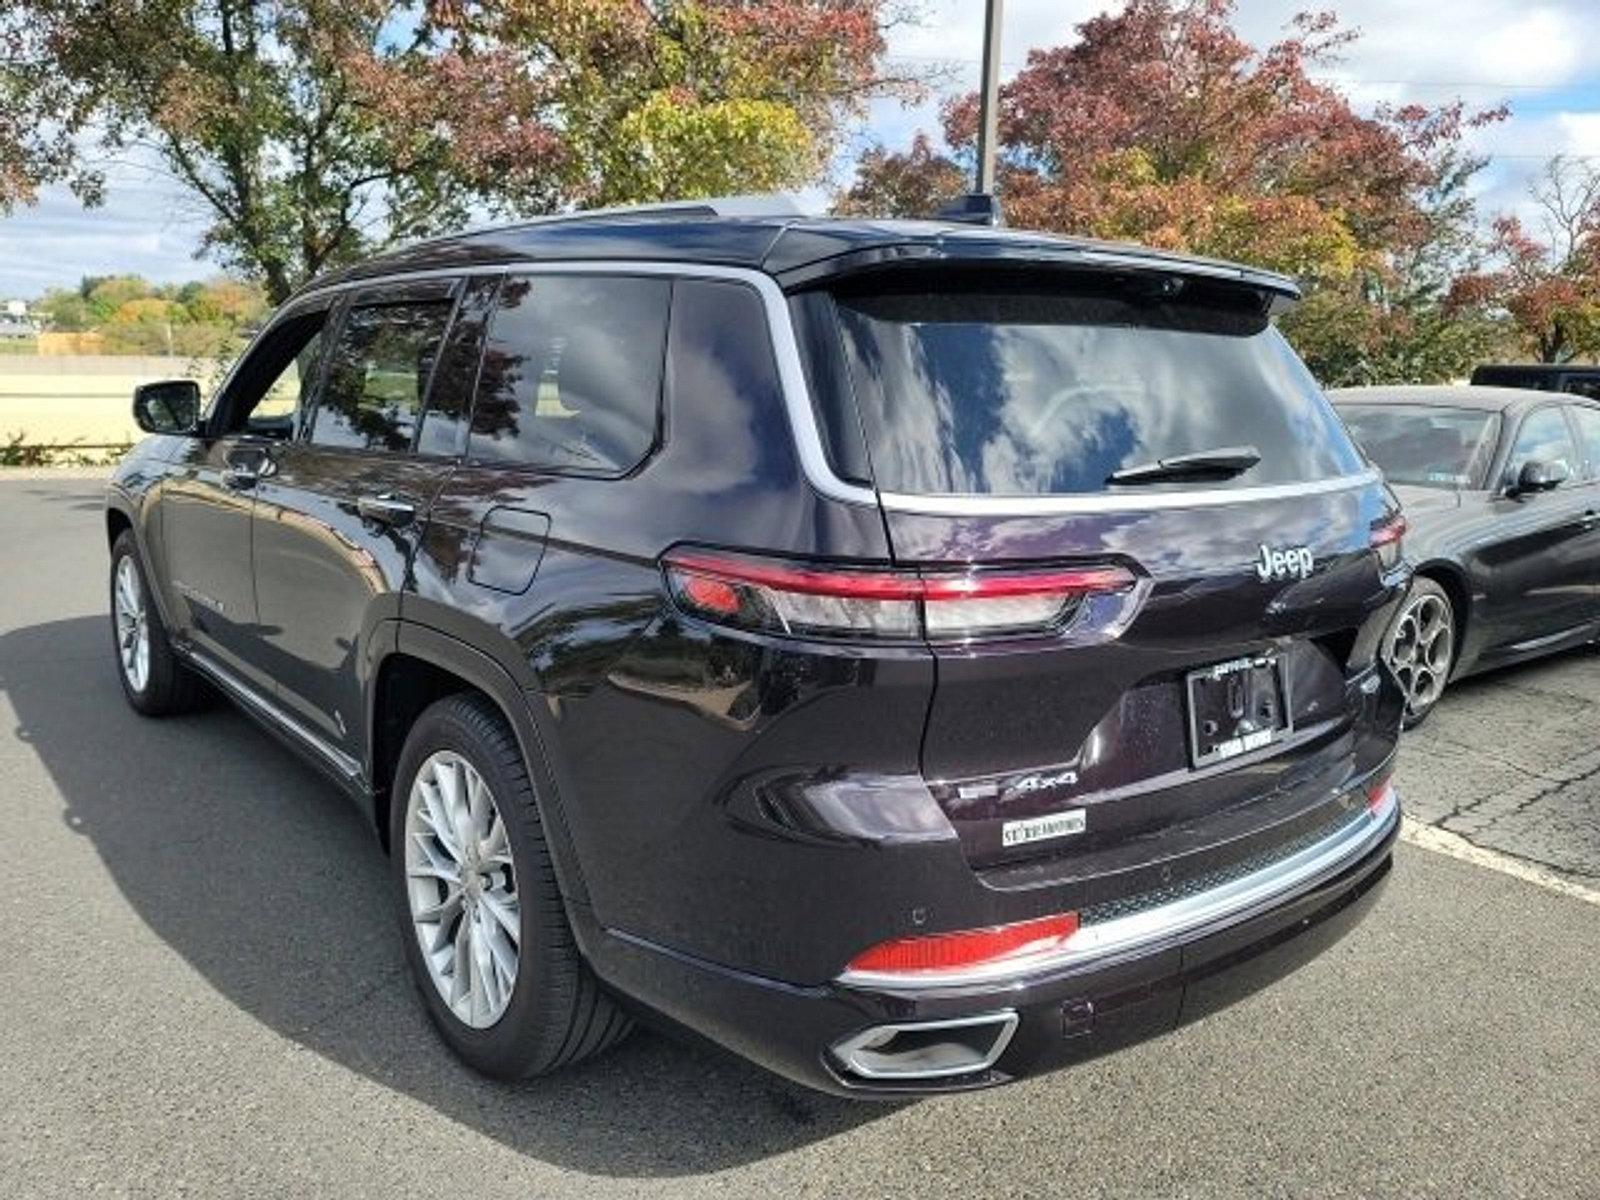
1042,389
378,374
571,373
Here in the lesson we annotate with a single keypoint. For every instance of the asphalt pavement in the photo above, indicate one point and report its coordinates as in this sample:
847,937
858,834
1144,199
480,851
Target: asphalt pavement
204,991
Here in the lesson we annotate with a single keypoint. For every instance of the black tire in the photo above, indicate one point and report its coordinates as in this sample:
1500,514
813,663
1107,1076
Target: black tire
557,1013
169,686
1424,592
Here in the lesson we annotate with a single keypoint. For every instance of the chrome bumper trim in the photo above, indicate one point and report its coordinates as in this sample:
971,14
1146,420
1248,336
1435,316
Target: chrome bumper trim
1273,884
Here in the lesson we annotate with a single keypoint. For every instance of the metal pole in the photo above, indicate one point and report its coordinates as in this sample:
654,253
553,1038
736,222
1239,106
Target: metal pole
989,98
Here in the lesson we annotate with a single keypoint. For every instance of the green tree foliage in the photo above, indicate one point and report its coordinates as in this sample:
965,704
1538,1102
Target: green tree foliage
133,316
312,130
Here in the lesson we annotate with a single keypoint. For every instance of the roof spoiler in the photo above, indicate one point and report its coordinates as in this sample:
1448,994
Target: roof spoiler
975,208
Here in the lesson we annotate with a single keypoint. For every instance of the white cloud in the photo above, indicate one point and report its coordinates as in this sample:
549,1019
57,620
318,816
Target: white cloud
147,227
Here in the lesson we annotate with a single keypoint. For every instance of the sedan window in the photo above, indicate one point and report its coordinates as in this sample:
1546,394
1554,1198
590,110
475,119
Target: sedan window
1589,430
1544,437
1423,444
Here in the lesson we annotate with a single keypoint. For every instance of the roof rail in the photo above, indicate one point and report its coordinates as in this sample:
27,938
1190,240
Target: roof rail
757,204
768,204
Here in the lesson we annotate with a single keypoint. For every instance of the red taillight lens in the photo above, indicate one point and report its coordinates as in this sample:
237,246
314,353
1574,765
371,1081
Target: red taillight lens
1380,796
832,601
968,948
1387,535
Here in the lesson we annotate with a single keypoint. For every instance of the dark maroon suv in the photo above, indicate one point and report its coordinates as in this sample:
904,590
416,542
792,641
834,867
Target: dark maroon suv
913,656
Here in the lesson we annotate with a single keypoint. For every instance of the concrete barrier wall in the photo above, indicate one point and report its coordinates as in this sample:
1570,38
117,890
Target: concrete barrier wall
61,399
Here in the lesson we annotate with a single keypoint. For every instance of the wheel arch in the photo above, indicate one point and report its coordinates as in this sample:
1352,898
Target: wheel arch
425,665
1450,577
118,522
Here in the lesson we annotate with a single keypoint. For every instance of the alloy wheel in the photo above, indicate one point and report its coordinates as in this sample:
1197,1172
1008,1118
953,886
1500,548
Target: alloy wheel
133,624
461,885
1421,649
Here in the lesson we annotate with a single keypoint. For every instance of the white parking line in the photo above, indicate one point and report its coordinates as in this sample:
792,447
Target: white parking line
1442,841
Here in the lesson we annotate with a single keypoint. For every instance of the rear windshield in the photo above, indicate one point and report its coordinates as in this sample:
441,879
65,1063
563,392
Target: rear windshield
1423,444
1036,390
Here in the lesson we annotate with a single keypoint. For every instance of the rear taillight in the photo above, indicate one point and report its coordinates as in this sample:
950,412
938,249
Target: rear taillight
1387,536
802,600
1381,796
942,953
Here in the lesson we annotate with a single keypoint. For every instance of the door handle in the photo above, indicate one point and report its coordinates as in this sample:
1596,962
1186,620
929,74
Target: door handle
240,479
387,509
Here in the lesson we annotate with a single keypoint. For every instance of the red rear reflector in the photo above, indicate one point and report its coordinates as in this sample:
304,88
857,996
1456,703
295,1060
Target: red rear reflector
712,595
967,948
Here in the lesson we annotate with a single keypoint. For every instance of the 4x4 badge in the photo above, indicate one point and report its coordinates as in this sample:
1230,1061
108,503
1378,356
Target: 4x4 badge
1292,562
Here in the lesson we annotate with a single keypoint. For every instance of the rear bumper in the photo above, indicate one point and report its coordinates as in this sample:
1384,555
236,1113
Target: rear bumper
1065,1012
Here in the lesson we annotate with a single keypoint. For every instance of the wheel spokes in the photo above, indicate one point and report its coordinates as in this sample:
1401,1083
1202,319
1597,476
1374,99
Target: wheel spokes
461,886
1421,648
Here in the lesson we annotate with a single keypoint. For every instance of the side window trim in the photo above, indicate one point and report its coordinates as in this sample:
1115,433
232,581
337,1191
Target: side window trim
458,290
475,372
331,329
382,294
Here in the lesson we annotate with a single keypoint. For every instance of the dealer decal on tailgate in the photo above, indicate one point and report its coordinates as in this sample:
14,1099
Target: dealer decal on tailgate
1038,829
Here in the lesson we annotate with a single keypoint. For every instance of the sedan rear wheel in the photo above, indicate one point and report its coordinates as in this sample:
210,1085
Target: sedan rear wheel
1422,648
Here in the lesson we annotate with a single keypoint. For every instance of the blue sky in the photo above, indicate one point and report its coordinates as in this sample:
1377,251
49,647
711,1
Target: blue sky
1543,59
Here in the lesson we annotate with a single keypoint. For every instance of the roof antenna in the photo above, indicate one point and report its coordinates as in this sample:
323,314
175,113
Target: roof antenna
975,208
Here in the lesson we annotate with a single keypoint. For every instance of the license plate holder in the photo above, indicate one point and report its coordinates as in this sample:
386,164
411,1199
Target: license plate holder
1236,708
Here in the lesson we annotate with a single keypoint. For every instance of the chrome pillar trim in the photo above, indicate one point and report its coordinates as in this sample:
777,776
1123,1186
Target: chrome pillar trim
803,424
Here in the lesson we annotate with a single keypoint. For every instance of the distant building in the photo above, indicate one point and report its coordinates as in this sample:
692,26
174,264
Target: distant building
16,310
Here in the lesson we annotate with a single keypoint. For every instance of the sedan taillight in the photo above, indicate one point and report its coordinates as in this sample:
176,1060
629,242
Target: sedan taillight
804,600
1388,535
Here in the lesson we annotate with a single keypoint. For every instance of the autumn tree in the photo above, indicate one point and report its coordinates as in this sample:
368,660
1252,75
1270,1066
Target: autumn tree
1547,280
307,131
1161,125
914,184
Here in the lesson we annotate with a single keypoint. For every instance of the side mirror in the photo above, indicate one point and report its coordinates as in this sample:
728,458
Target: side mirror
1540,475
171,406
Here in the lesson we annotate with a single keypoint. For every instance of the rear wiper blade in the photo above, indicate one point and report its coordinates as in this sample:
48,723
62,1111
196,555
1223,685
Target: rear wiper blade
1223,462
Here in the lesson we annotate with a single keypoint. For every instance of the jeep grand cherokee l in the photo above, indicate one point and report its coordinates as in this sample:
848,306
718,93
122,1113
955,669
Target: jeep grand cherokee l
910,655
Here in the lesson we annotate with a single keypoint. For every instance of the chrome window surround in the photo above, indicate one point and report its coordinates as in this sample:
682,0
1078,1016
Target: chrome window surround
803,419
848,1050
1237,898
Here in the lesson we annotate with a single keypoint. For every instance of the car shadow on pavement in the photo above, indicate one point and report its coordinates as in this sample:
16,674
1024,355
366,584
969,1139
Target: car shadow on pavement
271,885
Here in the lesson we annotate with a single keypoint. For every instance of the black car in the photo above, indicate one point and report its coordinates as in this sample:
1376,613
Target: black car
1501,488
910,655
1575,379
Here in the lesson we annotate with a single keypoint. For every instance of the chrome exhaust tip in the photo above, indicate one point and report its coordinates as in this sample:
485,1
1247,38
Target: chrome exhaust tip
927,1049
